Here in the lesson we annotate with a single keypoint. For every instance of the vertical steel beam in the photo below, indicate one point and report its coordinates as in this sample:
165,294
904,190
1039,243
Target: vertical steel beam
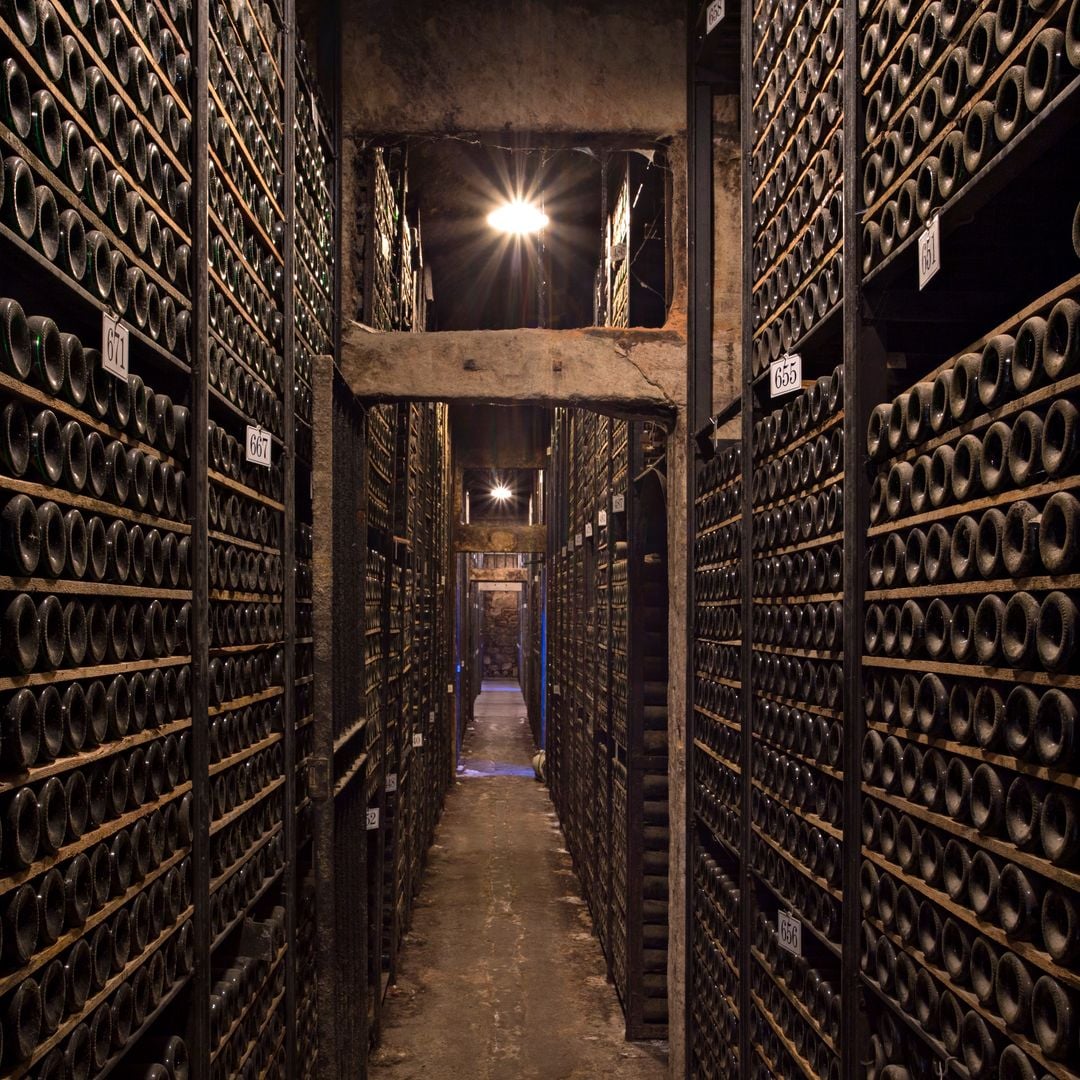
199,1017
635,693
746,881
322,769
864,366
288,547
699,393
331,46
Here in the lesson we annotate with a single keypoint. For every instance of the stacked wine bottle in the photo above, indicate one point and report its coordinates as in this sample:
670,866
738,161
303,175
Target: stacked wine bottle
578,494
797,826
796,172
948,85
377,230
247,514
374,650
595,868
313,300
607,742
96,133
717,757
970,845
95,696
602,741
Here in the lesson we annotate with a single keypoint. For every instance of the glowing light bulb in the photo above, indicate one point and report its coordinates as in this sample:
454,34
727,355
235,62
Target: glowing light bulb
518,217
501,492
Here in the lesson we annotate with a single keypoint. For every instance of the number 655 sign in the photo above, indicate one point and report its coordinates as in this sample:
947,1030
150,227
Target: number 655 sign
257,445
785,375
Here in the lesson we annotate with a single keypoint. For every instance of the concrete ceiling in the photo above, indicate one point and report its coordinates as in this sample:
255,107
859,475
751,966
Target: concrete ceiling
555,66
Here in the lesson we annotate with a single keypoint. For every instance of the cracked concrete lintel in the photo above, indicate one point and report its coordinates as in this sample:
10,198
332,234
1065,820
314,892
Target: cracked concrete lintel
624,372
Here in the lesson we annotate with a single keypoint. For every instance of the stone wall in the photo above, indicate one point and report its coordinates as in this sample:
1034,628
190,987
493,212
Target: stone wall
499,630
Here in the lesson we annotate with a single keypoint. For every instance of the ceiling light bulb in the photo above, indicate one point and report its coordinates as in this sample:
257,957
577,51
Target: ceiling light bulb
501,492
518,217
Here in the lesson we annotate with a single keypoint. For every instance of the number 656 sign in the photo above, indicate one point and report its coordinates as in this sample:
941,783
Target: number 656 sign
257,445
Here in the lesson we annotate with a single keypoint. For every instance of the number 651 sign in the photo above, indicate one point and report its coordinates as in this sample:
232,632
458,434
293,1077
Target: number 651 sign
257,445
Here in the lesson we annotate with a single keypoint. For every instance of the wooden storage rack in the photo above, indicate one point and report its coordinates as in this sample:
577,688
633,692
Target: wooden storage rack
606,769
884,335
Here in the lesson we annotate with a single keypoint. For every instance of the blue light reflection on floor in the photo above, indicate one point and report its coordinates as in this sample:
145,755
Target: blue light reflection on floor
494,768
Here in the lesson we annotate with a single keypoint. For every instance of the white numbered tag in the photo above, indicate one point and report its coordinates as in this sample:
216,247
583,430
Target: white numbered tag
115,346
785,375
789,930
257,445
417,740
579,540
372,818
618,503
930,251
714,15
391,782
588,528
601,519
431,716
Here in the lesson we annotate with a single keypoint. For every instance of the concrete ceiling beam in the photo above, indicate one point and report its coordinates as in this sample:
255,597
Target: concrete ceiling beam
638,373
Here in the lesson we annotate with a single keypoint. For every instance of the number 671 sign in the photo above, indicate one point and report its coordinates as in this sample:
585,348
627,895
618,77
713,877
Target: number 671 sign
257,445
115,344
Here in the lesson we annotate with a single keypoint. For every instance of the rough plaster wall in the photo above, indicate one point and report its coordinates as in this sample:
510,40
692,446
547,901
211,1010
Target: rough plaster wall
678,239
727,253
520,66
499,634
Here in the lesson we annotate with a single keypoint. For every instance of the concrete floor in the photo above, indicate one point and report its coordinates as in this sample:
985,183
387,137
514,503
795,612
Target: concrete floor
501,977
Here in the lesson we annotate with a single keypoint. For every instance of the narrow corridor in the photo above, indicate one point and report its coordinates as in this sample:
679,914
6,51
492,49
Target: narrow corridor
501,977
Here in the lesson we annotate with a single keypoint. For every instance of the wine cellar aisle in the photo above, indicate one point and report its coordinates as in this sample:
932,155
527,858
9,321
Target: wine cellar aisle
502,952
708,372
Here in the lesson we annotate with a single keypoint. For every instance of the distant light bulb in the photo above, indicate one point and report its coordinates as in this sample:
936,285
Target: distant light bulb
518,217
501,492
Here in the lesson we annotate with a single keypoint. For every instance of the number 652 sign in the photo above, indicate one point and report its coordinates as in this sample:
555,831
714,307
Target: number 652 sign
257,445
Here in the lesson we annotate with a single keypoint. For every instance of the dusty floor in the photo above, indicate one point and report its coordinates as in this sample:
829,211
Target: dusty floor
501,977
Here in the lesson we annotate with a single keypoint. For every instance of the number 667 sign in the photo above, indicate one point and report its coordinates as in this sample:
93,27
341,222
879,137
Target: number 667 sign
257,446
